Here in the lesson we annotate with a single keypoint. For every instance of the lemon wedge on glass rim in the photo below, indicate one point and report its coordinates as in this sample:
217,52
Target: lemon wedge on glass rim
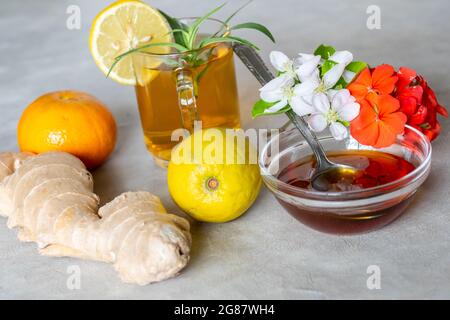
125,25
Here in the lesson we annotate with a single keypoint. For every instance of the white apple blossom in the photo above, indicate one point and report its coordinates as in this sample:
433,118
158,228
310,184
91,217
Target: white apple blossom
331,110
301,67
282,63
343,59
300,81
306,66
283,91
314,85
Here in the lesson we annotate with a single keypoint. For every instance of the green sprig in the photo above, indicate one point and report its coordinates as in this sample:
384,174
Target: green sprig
123,55
185,36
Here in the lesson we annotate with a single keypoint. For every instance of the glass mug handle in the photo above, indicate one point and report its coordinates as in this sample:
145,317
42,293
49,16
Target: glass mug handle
186,98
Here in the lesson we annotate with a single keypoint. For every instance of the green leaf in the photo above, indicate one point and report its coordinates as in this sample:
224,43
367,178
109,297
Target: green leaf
123,55
237,11
150,45
255,26
208,41
194,28
326,66
202,73
261,105
176,24
356,66
324,51
184,32
341,84
173,22
243,41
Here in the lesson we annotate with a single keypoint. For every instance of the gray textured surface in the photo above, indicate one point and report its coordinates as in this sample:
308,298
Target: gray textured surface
266,253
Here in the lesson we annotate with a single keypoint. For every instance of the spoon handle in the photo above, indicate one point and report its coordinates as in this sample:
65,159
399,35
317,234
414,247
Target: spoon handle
258,68
251,59
310,137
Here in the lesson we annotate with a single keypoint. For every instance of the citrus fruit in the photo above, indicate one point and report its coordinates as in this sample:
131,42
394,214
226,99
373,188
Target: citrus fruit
68,121
126,25
213,179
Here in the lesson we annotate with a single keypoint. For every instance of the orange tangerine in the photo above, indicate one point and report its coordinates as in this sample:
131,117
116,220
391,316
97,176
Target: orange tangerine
69,121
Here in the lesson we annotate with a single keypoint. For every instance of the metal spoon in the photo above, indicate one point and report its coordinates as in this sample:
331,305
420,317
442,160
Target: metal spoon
327,173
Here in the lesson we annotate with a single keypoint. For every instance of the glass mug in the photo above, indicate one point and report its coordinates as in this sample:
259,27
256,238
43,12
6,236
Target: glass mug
174,90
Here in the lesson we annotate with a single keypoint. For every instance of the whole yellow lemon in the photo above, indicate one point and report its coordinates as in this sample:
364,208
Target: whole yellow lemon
213,175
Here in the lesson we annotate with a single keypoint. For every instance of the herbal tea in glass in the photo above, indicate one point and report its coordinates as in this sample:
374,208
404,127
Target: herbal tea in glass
171,96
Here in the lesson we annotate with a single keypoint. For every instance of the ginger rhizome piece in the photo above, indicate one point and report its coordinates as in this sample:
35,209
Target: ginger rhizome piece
49,198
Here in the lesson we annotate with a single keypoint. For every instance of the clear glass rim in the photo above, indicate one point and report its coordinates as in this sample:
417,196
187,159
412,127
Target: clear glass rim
224,30
352,194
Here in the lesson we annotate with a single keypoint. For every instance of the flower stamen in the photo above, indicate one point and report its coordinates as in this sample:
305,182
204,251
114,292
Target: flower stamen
332,116
288,92
321,88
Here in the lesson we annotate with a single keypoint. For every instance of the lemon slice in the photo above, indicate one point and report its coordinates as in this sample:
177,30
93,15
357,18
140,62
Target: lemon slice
122,26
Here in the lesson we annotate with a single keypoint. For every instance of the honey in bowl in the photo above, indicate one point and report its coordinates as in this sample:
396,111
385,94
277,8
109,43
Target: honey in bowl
375,169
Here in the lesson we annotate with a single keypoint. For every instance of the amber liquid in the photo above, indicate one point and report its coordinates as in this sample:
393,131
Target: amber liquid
216,97
377,169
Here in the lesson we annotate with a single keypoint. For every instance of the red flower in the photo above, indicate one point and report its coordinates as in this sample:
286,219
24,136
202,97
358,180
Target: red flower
380,80
418,102
379,121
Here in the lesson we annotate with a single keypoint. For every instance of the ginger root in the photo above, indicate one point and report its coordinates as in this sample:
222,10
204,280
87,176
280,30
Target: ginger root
49,198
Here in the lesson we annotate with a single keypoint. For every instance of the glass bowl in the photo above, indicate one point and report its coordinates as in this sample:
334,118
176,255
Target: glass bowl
348,212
